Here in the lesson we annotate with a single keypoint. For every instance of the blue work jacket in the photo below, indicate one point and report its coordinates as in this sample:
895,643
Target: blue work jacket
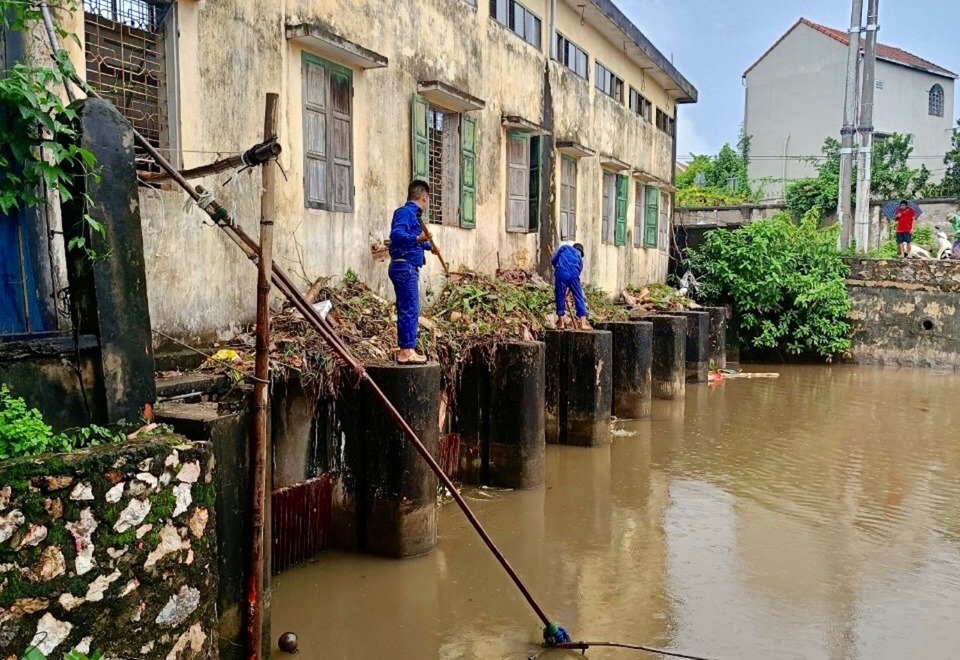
567,261
403,236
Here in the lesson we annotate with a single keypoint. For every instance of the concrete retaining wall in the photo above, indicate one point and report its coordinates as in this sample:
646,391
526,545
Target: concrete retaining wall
905,312
111,549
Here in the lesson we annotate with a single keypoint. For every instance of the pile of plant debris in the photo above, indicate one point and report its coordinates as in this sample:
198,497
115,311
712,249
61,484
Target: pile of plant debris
467,319
653,298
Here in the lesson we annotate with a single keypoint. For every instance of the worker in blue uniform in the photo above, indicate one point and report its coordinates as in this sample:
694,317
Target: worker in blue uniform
567,264
408,242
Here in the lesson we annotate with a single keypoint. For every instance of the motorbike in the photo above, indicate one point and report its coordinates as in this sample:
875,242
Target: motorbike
944,246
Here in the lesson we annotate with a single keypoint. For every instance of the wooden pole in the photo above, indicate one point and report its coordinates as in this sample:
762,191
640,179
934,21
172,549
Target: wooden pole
259,430
436,250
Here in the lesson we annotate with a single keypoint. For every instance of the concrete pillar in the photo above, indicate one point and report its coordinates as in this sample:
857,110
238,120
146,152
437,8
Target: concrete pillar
297,427
718,336
698,345
632,357
579,387
668,367
227,432
386,500
110,293
501,410
517,416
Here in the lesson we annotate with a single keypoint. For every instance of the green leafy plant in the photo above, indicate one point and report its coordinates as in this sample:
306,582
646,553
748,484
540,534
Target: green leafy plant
33,653
22,430
720,180
891,177
39,153
24,433
785,280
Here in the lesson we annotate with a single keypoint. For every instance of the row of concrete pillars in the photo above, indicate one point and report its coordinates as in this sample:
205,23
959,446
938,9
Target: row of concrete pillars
510,404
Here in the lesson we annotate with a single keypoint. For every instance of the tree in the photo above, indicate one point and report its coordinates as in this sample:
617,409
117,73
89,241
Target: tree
950,186
891,178
786,280
707,180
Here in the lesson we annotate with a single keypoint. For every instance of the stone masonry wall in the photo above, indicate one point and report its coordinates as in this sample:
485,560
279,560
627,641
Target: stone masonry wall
905,312
111,549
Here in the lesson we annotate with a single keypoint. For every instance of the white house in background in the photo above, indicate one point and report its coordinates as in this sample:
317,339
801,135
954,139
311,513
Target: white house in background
795,97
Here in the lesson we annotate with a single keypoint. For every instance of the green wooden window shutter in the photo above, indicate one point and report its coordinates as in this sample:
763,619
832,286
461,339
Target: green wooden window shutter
535,159
651,217
468,173
420,147
620,231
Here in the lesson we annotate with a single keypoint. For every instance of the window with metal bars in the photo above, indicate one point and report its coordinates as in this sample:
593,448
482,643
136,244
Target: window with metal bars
443,131
935,101
126,64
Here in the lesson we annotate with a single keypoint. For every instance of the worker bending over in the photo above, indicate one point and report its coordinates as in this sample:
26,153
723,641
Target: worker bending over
567,264
408,242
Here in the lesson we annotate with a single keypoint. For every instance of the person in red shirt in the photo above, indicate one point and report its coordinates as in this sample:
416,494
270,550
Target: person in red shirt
904,217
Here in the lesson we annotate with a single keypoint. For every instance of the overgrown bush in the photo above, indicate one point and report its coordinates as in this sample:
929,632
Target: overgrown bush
786,281
24,433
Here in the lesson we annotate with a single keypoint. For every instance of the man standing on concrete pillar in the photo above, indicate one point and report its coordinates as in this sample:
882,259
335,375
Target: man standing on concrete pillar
409,239
567,264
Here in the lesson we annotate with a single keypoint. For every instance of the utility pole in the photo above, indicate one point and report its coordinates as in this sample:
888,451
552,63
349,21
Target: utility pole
861,229
849,130
260,422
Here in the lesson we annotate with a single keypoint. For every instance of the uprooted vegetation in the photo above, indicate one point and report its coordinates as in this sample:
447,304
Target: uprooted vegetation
468,318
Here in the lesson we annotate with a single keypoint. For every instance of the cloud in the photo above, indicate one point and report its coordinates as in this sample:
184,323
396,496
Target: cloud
689,138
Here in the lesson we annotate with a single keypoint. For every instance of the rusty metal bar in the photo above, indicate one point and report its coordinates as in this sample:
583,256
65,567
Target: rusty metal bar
256,155
261,393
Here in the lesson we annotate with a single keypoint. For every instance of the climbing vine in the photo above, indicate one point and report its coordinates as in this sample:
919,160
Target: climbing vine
39,150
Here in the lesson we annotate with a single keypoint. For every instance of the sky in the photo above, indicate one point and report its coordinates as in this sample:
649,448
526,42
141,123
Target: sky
712,42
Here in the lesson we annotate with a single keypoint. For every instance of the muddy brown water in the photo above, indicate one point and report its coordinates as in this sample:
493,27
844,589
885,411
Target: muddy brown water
814,516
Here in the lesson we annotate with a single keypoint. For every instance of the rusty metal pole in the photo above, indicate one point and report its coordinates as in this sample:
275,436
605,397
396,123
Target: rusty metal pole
260,418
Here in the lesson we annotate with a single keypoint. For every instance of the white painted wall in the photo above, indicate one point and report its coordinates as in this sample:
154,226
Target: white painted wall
902,106
794,101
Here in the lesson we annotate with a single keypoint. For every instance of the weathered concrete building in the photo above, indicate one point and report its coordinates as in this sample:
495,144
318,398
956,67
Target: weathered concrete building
794,101
534,121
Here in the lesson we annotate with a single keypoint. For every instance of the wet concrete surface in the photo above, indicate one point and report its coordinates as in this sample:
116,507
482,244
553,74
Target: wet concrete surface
813,516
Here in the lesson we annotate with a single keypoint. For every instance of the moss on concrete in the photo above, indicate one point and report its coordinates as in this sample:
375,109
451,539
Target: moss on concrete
126,596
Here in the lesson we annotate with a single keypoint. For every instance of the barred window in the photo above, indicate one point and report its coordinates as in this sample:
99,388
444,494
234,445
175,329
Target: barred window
936,101
126,64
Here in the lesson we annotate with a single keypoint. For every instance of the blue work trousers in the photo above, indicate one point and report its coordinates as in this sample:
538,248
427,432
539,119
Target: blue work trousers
563,282
405,278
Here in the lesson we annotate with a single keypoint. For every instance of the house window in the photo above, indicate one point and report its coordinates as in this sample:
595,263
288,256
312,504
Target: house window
520,20
613,227
651,216
571,56
640,105
443,129
126,64
664,238
936,101
878,85
638,209
523,182
665,122
608,82
568,198
444,154
327,135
